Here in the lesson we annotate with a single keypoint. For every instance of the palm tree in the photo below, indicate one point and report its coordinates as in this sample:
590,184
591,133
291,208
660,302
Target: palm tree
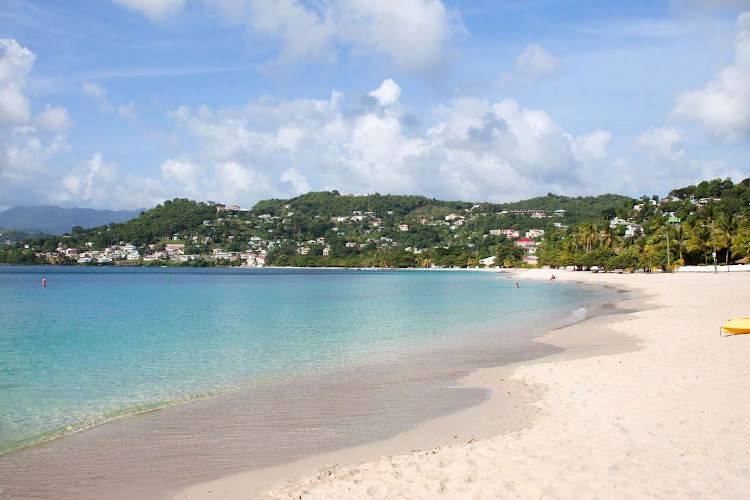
728,231
709,214
681,240
587,234
384,257
570,245
666,233
607,237
638,243
741,247
651,250
700,239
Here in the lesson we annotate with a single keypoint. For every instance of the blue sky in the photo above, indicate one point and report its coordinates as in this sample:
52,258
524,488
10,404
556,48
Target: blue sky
125,103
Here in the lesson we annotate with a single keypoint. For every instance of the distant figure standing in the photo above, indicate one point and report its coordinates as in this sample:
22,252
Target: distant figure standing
516,285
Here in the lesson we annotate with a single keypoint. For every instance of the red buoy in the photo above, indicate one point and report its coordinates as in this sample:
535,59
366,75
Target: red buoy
44,282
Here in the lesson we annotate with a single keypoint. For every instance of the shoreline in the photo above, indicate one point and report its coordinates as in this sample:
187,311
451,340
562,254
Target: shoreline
512,412
663,421
180,445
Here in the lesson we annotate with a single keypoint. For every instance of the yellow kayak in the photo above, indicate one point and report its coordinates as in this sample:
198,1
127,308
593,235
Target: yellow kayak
736,326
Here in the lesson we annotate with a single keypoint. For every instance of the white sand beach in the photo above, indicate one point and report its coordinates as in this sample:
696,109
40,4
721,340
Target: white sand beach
648,404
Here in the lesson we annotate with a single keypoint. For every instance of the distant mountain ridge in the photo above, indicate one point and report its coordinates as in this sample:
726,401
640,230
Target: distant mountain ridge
57,220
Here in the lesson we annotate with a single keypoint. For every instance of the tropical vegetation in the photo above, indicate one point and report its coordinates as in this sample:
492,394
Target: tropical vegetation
704,224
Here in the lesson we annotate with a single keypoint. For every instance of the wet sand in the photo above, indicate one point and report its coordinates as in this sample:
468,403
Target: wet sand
509,408
647,404
152,454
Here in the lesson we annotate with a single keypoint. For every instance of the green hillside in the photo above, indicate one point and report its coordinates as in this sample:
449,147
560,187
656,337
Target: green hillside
333,229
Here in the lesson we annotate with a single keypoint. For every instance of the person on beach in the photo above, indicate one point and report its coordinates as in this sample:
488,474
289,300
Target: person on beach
553,277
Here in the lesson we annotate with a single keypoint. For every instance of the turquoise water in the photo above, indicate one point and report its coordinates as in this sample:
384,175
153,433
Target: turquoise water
98,343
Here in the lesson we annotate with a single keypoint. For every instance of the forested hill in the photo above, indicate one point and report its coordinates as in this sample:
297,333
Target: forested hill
57,220
173,216
577,209
332,229
331,203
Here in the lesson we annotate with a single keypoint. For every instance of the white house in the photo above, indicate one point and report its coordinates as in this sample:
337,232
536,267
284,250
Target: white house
525,243
616,221
535,233
489,261
633,230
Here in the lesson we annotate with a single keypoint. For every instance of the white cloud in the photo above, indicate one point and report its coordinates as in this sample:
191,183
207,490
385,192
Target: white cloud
474,149
662,143
27,142
536,62
54,120
181,113
532,63
15,64
127,111
469,148
185,175
388,92
296,179
723,107
664,162
413,34
712,4
97,93
592,147
154,9
100,184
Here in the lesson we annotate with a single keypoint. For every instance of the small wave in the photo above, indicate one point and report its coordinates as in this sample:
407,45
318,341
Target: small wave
574,317
88,423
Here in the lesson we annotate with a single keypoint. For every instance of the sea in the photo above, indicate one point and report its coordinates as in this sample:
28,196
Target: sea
142,380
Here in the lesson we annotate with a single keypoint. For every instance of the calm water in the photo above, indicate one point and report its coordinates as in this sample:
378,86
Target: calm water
97,344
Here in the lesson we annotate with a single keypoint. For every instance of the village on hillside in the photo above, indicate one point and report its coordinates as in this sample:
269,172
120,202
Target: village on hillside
425,233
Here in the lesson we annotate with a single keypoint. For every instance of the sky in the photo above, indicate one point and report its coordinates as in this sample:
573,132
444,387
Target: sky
122,104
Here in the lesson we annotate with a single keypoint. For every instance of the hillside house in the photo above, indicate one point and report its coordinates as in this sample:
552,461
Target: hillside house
535,233
525,243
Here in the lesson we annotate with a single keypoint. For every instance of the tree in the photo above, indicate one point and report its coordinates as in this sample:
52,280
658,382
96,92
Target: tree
708,215
727,231
681,241
741,247
588,235
607,238
700,240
